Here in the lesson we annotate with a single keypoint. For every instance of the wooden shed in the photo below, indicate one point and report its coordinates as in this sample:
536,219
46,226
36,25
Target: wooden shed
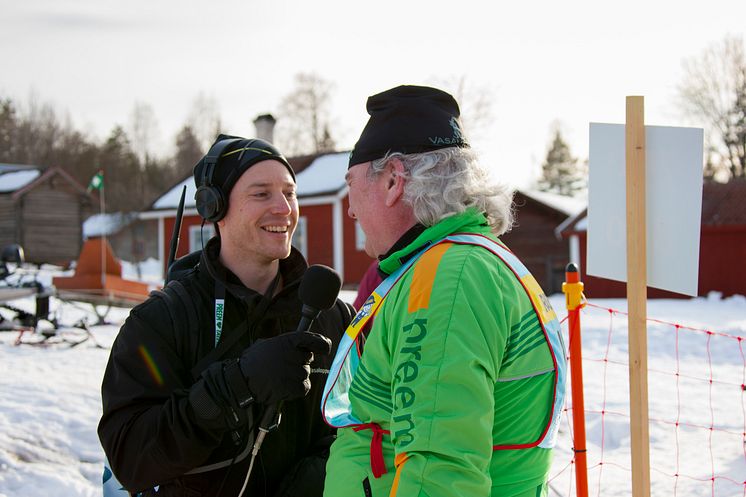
132,239
534,240
43,210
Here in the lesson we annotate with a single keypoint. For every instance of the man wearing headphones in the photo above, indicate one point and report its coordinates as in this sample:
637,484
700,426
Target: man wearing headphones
196,365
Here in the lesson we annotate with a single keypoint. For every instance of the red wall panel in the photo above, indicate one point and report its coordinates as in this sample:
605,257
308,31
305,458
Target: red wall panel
356,261
319,234
722,267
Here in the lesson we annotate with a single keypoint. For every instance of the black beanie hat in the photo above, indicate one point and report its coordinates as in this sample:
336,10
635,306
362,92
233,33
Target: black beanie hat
410,120
235,159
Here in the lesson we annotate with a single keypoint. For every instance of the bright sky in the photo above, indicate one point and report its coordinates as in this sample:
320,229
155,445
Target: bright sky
543,61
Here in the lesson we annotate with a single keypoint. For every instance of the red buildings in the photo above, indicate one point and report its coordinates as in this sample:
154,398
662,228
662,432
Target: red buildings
722,251
325,234
547,234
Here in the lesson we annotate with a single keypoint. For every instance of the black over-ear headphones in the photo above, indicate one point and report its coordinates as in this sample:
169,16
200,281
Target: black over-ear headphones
210,199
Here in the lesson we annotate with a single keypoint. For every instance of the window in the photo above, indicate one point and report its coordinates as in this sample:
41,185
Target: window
195,239
359,237
300,237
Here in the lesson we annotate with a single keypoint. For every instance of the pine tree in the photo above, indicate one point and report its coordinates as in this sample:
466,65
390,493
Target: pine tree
123,173
560,172
8,125
188,152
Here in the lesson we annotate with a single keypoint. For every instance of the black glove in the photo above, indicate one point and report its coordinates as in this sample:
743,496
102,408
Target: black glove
220,398
278,368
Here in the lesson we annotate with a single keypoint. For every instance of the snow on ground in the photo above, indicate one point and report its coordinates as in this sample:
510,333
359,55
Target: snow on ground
50,402
698,451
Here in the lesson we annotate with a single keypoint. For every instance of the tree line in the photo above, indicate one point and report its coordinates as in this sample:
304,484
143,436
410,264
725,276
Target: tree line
35,134
712,93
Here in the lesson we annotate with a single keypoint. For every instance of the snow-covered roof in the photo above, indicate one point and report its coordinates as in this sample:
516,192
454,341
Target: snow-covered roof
567,205
170,199
106,224
13,177
326,174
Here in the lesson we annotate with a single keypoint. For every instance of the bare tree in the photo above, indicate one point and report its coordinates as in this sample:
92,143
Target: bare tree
714,91
37,133
33,134
143,130
475,101
204,119
304,124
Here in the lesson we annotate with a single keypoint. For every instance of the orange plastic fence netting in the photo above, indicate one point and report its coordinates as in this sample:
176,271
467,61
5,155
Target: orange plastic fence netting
697,411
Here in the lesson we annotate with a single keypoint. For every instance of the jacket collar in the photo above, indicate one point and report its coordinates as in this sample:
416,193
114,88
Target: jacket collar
469,221
291,270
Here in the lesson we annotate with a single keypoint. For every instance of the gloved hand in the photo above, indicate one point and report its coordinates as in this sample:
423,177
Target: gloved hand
220,399
278,368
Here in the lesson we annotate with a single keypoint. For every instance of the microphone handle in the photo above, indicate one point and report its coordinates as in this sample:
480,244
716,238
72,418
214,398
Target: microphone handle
273,413
304,324
307,315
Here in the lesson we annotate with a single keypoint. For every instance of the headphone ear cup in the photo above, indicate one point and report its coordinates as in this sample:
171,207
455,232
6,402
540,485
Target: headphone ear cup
211,203
210,200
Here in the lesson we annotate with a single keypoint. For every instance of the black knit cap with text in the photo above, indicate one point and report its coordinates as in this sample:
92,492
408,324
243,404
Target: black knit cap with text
236,159
410,120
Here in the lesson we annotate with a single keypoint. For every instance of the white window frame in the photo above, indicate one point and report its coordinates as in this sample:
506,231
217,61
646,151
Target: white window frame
195,242
359,238
300,237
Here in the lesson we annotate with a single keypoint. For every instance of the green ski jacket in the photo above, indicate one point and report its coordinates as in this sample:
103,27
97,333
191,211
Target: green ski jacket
458,383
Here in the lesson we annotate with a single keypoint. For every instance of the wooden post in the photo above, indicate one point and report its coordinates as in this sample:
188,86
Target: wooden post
637,296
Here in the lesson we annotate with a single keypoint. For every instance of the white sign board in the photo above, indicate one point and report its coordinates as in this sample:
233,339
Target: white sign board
673,199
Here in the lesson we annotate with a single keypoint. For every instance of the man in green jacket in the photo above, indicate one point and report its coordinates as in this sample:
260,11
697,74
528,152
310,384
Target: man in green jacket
459,386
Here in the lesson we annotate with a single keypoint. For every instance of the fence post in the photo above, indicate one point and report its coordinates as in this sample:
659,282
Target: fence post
573,290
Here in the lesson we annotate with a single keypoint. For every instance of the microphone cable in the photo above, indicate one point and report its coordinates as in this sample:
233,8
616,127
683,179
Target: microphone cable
318,290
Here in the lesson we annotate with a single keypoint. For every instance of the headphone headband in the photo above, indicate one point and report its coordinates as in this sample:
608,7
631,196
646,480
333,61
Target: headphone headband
211,198
212,157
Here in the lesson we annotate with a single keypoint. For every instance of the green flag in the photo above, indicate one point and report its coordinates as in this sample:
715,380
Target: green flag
97,182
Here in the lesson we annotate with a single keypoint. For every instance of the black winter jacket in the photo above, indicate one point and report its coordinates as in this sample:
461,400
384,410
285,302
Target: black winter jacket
148,428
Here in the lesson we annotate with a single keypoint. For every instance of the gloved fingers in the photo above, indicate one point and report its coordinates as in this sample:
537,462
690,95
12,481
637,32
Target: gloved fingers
313,342
296,374
294,389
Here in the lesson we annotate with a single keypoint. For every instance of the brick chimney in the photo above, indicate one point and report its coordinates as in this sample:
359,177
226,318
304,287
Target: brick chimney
265,127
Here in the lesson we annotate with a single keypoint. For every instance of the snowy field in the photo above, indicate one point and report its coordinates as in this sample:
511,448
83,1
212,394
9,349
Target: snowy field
50,402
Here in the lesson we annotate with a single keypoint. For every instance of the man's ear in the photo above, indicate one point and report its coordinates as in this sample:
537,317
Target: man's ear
395,180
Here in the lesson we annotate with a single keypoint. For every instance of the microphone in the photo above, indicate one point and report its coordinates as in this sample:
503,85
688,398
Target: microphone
318,291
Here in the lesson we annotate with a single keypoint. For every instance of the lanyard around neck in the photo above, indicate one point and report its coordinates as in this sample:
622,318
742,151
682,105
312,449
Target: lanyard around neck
260,308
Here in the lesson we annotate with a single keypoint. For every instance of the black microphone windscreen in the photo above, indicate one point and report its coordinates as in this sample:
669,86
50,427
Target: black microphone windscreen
319,287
